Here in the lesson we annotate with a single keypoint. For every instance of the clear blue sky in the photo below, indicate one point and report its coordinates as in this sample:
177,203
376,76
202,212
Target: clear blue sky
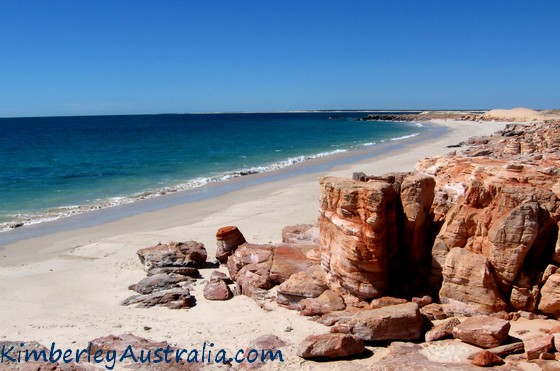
77,57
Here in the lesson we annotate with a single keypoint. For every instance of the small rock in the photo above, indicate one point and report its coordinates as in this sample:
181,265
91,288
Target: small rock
442,330
217,276
330,346
433,311
386,301
328,301
423,301
487,359
217,291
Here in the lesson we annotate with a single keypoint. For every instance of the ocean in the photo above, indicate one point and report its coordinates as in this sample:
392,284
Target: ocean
51,167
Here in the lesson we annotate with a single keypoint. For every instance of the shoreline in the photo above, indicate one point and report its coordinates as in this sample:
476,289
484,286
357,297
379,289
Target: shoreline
92,215
41,216
67,286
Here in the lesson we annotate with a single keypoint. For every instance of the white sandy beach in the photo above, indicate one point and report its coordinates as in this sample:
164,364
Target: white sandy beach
66,287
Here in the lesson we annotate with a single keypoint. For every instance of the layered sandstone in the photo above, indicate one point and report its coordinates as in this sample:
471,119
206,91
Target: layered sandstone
477,228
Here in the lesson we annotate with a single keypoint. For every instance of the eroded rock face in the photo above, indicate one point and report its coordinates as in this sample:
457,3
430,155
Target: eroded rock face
301,233
358,224
395,322
499,198
468,280
376,233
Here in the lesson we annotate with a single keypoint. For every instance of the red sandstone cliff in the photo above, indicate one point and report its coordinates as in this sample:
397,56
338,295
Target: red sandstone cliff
480,225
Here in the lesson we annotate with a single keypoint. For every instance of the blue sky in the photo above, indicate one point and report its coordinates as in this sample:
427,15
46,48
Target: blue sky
81,57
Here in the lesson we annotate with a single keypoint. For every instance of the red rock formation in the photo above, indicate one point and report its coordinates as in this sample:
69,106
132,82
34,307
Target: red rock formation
227,240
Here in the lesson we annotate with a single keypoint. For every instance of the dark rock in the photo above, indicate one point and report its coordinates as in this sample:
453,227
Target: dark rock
184,271
159,282
173,254
174,299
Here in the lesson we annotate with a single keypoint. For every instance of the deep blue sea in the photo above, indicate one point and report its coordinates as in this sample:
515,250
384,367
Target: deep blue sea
56,166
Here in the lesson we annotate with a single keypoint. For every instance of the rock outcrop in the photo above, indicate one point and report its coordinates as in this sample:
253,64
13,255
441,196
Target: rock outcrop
257,268
477,229
375,234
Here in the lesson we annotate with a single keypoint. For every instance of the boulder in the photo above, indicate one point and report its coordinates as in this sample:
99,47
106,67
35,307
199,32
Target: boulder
330,346
396,322
482,331
173,254
159,282
177,298
217,291
328,301
292,258
228,239
269,343
550,296
184,271
307,284
386,301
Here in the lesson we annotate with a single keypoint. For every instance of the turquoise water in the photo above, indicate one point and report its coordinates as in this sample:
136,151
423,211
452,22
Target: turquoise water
56,166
